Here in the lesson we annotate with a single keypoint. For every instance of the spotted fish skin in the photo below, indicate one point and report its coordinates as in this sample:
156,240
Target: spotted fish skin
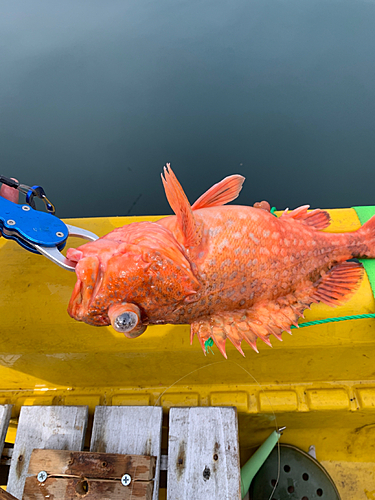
247,255
232,272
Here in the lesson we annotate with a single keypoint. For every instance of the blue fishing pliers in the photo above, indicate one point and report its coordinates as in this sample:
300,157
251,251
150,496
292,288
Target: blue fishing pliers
36,231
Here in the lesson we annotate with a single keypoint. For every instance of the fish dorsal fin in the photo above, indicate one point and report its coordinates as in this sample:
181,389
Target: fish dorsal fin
317,219
181,207
221,193
339,284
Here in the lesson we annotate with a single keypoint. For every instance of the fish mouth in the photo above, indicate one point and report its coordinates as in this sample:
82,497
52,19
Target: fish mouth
81,307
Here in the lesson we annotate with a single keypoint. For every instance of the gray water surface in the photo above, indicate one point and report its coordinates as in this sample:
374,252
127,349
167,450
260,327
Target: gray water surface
95,97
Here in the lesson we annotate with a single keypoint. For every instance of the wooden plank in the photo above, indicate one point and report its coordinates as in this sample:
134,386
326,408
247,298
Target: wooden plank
5,413
133,430
203,454
89,489
4,495
54,427
92,465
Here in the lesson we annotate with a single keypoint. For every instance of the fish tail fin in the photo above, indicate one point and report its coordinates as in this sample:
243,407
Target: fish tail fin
367,235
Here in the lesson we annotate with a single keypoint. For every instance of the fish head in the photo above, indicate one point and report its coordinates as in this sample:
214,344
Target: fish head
129,277
108,273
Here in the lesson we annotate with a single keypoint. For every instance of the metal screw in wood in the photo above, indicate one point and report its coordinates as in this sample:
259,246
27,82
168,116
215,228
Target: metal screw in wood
126,479
42,476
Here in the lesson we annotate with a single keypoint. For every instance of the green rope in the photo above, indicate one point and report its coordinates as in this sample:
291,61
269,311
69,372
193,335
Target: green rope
335,320
209,343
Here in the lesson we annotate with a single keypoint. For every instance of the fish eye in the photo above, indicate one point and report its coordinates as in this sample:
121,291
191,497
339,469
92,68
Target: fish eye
126,318
125,322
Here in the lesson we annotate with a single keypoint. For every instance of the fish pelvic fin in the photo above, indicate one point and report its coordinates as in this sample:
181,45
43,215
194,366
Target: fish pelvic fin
221,193
180,205
316,219
339,284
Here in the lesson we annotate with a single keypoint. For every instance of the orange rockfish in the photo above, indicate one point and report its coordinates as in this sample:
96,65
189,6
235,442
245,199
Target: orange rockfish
231,272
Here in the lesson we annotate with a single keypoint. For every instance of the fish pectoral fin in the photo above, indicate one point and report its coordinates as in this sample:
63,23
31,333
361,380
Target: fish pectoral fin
339,284
180,205
221,193
316,219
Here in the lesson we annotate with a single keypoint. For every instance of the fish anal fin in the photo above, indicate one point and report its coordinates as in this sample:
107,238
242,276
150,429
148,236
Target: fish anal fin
317,219
221,193
179,203
339,284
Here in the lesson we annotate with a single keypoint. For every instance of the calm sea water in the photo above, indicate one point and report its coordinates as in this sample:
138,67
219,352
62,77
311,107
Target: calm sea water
96,96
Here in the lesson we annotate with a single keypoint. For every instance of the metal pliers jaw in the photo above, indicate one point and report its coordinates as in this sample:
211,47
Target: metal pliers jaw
54,254
39,232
